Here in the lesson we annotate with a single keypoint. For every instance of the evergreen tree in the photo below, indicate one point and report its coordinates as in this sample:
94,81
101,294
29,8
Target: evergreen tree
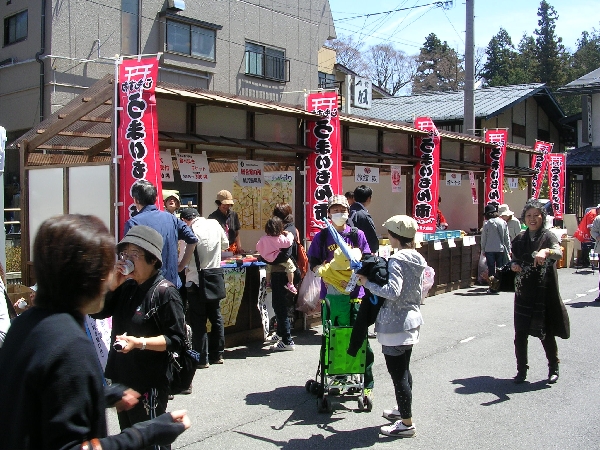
526,65
550,51
587,56
439,67
498,70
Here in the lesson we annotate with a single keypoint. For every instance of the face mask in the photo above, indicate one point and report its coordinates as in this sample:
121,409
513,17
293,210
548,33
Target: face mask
339,218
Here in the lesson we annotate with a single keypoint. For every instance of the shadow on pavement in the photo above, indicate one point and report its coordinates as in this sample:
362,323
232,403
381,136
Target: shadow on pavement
499,387
584,304
361,438
258,349
473,292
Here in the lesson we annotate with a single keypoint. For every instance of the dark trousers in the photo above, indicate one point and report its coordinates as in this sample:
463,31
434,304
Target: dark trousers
209,345
494,261
398,368
282,300
549,344
152,404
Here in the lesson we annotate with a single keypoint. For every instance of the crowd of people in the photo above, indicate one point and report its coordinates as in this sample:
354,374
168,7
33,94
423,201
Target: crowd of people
162,257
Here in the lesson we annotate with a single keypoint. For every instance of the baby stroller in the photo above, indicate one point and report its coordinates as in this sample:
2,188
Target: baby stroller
338,373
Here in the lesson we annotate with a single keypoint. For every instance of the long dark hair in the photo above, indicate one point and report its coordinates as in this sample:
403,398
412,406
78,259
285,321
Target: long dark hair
72,257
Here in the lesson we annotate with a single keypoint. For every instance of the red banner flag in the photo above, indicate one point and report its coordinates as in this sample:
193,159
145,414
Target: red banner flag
137,137
539,163
427,176
494,176
558,175
324,166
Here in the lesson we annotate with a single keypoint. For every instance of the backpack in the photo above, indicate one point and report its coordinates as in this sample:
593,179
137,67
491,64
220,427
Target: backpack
301,257
181,368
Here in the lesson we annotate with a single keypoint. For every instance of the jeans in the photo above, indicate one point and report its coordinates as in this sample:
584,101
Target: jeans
282,300
210,346
494,261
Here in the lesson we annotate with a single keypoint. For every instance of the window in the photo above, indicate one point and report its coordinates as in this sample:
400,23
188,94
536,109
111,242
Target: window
191,39
130,27
266,62
326,80
15,28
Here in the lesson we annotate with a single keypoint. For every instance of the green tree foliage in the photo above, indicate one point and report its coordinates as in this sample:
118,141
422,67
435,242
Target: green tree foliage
498,70
587,56
550,52
439,67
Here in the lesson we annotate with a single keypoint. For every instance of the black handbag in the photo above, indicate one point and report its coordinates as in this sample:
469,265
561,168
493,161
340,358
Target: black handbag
211,282
505,278
181,367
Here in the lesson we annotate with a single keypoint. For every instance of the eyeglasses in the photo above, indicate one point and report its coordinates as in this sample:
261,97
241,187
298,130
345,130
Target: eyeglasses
129,255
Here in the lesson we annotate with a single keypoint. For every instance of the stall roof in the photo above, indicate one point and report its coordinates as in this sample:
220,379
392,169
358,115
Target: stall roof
81,131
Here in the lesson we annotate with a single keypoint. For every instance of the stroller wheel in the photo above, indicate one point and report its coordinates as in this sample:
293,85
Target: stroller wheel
314,388
361,404
368,403
308,385
324,405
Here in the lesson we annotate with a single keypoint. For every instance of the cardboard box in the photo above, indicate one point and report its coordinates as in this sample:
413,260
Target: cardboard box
17,291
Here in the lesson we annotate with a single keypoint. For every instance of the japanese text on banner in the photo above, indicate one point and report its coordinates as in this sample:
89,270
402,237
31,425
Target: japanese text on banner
494,175
251,173
193,167
166,167
427,176
539,164
324,165
137,136
557,175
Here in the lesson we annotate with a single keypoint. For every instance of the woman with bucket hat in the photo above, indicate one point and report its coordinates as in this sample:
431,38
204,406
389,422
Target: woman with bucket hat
147,323
495,244
513,224
399,320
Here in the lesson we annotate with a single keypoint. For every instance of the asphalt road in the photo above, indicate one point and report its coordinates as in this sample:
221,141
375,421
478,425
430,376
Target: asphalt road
463,394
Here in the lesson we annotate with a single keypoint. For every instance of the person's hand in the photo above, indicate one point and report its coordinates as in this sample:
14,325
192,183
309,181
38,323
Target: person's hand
129,400
362,278
117,278
181,416
516,267
540,257
130,342
343,283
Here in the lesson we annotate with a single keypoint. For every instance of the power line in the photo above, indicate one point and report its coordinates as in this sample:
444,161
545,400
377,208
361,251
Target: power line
436,4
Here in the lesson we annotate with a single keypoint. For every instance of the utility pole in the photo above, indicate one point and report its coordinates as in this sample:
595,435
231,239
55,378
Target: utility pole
469,107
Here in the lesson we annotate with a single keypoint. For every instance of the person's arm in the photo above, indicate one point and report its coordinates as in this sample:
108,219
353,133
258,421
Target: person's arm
224,239
506,238
315,250
393,288
4,317
237,226
484,233
595,230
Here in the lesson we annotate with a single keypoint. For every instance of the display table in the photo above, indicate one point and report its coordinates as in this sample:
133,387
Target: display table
244,307
455,267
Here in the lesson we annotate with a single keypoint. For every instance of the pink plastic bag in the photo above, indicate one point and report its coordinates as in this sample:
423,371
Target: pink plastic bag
309,294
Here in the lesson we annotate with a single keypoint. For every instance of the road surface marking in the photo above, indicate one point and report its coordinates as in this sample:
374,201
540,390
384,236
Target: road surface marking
580,295
467,339
502,325
593,290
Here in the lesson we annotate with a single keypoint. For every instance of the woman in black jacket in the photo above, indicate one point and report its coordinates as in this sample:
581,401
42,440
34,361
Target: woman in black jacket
51,385
539,310
147,322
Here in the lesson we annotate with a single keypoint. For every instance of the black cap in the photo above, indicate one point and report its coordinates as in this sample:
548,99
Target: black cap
188,213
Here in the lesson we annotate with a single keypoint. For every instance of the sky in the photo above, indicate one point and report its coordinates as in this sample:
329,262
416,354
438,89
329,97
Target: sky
407,30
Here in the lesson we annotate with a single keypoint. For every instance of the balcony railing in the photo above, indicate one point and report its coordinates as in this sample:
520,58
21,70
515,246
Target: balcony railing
267,66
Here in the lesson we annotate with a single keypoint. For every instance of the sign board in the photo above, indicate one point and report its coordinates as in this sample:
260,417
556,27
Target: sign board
363,93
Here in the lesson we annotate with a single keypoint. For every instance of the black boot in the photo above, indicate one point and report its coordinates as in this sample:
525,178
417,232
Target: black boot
521,375
553,374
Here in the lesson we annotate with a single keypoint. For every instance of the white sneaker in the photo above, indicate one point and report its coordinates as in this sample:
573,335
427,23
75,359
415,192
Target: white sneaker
280,346
392,414
398,429
273,339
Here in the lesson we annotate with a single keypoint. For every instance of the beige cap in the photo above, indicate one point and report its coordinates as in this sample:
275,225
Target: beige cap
168,193
225,197
504,210
402,225
338,200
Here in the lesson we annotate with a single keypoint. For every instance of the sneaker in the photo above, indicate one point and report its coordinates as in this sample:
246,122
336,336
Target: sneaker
392,414
280,346
371,334
273,339
553,375
187,391
290,287
492,292
398,429
202,366
171,397
520,377
218,361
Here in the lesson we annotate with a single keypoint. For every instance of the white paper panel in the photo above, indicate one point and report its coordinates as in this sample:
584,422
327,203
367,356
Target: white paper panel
45,197
89,191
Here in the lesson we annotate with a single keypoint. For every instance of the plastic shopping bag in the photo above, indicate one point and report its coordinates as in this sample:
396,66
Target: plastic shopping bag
309,294
482,270
428,277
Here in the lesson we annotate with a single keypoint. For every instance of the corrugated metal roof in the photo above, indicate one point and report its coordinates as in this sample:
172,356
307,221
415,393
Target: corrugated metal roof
450,105
587,84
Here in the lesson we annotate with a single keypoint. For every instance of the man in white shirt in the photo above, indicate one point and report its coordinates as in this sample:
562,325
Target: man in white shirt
212,240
